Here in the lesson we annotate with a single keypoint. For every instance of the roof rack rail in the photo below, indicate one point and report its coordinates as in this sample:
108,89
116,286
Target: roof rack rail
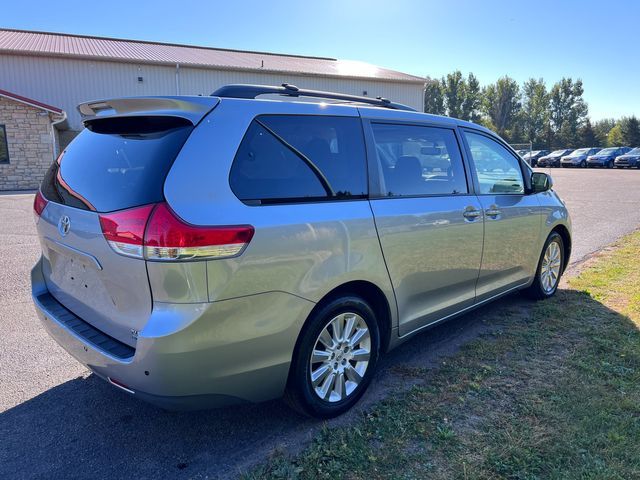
253,91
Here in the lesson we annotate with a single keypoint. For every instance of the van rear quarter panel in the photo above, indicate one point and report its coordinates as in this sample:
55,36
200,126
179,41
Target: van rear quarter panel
304,249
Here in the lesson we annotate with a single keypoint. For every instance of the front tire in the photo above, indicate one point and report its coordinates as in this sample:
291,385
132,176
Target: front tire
583,164
550,269
335,358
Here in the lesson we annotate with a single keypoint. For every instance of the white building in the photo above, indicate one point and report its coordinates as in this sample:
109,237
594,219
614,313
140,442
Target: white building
65,70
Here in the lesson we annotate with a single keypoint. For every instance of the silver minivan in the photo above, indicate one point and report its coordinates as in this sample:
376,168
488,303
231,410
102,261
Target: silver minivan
201,251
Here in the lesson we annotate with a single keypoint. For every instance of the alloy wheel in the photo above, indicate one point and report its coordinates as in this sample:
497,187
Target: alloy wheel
550,269
340,357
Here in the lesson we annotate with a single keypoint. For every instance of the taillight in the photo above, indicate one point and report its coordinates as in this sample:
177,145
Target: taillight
39,202
124,230
169,238
155,232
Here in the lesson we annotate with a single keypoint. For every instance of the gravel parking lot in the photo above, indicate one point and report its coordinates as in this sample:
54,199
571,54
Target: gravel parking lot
57,420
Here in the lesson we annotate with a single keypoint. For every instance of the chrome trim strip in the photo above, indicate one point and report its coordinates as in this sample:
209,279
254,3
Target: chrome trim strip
128,390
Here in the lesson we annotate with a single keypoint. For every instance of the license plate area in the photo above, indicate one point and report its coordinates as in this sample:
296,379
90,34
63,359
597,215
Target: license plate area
73,276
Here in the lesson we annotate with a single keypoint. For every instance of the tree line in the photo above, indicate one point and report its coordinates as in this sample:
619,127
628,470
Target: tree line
556,117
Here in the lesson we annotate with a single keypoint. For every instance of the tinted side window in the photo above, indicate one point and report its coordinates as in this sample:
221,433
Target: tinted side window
296,157
415,160
497,169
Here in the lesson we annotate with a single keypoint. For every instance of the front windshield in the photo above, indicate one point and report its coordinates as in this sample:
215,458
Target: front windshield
607,151
579,152
635,151
557,153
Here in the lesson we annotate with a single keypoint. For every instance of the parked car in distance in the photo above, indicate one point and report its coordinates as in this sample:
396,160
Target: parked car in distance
523,152
606,157
231,248
578,158
532,157
553,159
628,160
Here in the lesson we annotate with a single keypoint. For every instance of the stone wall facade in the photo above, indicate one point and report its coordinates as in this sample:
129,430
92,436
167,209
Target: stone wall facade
30,142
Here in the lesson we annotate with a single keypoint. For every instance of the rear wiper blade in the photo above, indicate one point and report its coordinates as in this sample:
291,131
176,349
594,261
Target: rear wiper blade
314,168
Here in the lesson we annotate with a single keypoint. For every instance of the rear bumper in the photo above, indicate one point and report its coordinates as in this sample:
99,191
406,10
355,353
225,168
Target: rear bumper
189,356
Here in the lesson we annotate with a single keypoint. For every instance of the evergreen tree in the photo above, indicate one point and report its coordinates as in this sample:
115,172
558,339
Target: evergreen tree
630,129
587,135
433,97
602,129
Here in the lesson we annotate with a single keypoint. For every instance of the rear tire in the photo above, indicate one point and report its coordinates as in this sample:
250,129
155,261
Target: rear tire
335,358
549,271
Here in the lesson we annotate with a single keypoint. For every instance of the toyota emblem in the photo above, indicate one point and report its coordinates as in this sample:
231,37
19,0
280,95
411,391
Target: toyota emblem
64,225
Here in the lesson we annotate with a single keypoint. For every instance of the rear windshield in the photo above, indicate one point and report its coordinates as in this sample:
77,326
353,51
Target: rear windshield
116,164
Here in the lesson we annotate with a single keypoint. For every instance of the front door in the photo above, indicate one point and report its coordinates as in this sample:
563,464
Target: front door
512,219
429,224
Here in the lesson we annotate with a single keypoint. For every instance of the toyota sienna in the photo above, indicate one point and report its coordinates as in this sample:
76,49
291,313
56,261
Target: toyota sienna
201,251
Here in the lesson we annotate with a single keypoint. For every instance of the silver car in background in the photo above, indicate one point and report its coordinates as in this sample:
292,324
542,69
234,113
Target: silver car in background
201,251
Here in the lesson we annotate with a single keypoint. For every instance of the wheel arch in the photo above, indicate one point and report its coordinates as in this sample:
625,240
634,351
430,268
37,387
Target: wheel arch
370,293
566,242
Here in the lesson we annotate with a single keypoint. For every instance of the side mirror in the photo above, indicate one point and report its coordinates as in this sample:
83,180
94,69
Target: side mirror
540,182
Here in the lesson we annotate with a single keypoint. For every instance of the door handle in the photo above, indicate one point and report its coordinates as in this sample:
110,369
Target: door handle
471,213
493,211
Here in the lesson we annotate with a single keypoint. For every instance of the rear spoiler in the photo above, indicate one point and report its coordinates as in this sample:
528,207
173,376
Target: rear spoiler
192,108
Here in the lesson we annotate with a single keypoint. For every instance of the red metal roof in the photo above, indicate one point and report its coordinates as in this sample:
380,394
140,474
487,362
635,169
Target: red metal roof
30,101
22,42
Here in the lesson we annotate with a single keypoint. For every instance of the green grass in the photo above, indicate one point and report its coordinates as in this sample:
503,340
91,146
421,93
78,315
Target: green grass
553,392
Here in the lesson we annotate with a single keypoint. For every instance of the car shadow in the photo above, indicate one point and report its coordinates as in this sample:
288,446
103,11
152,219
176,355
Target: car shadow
86,428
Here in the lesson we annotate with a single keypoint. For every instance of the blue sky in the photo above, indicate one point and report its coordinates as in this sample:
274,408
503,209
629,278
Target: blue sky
596,41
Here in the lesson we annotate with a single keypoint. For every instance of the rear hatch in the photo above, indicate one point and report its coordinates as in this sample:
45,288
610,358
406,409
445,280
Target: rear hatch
120,161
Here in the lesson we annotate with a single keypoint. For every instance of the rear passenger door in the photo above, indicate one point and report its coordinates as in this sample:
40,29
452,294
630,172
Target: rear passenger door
512,218
303,182
428,220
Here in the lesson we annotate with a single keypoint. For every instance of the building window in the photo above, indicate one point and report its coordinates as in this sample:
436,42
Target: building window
4,145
